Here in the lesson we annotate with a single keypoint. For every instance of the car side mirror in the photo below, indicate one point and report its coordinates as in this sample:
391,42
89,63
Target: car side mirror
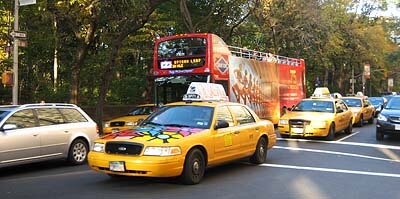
221,124
9,127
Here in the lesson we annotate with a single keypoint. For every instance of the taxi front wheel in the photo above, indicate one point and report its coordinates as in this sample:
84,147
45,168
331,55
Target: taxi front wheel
260,155
331,133
194,168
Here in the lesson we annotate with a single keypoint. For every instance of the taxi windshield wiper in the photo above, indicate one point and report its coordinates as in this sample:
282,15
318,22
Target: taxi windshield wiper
177,125
153,123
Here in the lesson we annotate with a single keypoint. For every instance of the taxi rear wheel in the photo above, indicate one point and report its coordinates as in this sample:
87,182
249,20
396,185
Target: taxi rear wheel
194,168
260,155
331,133
361,121
371,120
349,128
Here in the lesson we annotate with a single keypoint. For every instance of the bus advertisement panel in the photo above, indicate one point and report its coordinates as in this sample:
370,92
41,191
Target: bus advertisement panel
263,81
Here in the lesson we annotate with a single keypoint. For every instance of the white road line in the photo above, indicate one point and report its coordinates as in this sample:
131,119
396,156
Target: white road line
332,170
381,146
343,138
335,153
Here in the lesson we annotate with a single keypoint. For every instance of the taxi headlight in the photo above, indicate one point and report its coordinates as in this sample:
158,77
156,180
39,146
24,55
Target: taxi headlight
318,124
98,147
131,123
106,125
382,118
355,114
162,151
283,122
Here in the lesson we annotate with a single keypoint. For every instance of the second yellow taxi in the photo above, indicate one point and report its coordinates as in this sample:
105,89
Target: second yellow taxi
318,116
184,138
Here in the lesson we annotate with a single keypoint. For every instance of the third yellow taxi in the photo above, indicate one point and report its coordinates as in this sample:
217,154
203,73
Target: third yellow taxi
184,138
318,116
362,109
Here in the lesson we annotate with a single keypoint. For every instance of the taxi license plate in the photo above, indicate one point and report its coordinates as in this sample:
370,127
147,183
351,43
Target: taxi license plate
397,127
297,130
117,166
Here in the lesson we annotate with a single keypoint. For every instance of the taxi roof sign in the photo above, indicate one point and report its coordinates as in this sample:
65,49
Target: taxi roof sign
321,92
201,91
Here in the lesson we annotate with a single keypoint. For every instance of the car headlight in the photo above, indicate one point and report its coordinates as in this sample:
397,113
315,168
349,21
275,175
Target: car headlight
162,151
382,118
106,124
283,122
318,124
98,147
355,114
131,123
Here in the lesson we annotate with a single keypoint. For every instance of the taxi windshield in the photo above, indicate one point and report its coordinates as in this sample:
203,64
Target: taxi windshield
182,116
352,102
314,106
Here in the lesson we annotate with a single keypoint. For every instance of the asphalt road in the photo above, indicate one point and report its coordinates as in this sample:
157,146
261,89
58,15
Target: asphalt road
354,166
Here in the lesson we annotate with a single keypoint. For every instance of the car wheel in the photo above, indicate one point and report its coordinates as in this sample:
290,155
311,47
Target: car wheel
78,152
331,133
349,128
371,120
260,154
361,121
194,167
379,135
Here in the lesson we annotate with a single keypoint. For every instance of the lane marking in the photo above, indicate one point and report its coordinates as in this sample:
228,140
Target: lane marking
381,146
393,175
335,153
345,137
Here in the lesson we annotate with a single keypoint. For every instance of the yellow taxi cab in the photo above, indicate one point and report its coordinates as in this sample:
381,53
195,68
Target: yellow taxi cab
182,139
318,116
362,109
132,119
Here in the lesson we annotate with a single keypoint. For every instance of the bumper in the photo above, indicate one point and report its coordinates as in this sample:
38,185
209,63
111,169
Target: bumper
307,131
147,166
108,130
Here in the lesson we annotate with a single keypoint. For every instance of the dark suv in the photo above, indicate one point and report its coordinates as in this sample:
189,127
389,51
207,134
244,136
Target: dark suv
388,121
37,132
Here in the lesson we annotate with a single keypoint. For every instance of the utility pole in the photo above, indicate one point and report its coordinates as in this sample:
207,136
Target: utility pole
15,56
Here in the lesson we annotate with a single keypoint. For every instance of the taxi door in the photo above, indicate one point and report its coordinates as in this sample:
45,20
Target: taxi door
341,116
226,140
247,130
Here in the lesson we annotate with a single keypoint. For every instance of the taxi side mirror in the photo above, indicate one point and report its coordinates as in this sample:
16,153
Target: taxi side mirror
221,124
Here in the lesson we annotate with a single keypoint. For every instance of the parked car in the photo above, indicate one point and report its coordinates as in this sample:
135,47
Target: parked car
362,109
378,103
388,121
184,138
132,119
38,132
318,116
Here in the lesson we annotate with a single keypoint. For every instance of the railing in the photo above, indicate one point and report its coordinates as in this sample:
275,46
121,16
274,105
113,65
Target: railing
263,56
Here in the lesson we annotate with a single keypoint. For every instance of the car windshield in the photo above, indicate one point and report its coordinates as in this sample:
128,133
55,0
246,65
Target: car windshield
376,100
353,102
393,103
314,106
182,116
142,110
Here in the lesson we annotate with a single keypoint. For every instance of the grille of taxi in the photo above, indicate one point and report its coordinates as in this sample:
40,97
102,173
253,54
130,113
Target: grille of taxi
119,123
298,123
124,148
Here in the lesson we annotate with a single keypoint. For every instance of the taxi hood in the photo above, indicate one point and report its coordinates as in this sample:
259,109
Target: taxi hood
154,134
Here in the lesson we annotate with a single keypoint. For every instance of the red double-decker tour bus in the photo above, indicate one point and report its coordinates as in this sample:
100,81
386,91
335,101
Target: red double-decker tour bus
265,82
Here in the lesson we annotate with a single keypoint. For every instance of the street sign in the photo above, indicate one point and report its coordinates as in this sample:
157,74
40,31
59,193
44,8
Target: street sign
22,43
26,2
18,34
